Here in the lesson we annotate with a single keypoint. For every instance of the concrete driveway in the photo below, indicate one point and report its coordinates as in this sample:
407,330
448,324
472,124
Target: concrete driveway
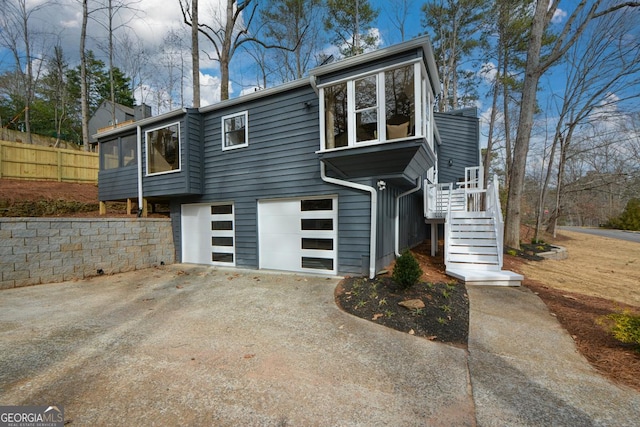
197,346
190,345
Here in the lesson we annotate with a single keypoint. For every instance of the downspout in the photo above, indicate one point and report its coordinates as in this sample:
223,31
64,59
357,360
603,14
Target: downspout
397,213
140,198
374,213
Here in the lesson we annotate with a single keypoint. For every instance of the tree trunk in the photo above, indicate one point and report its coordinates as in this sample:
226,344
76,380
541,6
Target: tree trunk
195,53
84,103
521,146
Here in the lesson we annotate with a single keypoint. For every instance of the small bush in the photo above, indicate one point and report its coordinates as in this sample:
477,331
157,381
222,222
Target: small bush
407,270
624,327
629,219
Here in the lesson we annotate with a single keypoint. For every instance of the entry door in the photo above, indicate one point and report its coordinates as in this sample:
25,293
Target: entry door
298,234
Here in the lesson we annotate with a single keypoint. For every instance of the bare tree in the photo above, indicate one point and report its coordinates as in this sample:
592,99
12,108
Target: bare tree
195,53
17,36
536,66
228,32
398,12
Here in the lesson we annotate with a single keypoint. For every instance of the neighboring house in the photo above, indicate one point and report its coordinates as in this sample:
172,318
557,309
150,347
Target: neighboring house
102,117
323,174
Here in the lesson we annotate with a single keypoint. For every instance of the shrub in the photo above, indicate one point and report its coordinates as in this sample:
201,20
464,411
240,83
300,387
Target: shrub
629,219
625,327
407,271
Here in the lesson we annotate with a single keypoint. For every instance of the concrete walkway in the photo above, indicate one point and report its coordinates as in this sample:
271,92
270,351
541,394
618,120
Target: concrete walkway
190,345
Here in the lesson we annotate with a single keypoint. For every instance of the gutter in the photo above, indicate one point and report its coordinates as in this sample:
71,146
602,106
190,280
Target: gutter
374,213
397,213
140,197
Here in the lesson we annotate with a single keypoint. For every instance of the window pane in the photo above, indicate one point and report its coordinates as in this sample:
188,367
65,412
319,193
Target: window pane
317,224
317,263
109,154
366,92
222,225
321,244
316,205
335,116
221,257
221,209
234,130
222,241
163,149
129,153
400,102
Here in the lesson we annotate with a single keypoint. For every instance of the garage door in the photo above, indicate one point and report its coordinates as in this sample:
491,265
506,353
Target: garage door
299,235
208,234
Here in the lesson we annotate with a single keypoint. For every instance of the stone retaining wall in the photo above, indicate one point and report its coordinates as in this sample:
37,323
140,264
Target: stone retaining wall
47,250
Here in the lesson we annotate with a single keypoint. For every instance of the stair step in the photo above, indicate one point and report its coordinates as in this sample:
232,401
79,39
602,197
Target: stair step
459,221
477,250
473,258
486,278
472,235
476,214
472,227
461,241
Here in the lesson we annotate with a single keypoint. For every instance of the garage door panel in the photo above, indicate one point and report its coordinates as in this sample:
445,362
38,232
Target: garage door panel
294,239
208,234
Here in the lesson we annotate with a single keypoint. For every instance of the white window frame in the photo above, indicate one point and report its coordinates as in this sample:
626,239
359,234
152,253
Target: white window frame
422,96
224,132
146,149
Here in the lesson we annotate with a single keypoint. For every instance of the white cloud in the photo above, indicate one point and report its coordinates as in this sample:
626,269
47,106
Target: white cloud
488,72
558,16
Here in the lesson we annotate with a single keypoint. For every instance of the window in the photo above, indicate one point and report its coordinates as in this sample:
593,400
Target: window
235,132
400,102
110,154
163,149
119,152
382,106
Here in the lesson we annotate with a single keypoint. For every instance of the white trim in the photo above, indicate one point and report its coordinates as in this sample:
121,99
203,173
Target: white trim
146,151
223,131
373,232
352,77
421,86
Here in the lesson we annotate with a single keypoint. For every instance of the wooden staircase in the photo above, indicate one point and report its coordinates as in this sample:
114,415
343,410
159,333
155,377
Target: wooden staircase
473,231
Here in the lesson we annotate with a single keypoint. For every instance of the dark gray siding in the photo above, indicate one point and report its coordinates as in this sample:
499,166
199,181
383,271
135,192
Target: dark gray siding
118,184
189,179
279,162
459,132
412,231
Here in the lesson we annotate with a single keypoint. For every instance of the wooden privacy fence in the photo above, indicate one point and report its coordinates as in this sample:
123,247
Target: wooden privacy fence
32,162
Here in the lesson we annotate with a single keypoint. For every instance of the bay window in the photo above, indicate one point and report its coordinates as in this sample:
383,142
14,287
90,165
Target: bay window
390,104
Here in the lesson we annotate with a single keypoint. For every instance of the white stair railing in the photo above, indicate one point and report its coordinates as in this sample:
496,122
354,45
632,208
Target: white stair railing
495,210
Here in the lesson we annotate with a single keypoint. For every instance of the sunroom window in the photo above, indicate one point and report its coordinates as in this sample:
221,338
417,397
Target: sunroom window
118,152
163,149
382,106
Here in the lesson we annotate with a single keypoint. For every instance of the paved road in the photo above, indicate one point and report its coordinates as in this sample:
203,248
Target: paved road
630,236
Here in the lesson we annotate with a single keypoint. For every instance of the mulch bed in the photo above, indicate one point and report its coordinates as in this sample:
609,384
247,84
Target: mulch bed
579,315
444,317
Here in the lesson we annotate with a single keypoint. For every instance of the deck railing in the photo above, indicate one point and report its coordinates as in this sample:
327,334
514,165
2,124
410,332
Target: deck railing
465,196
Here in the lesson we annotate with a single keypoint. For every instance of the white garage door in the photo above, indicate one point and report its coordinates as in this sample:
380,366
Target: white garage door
208,234
299,235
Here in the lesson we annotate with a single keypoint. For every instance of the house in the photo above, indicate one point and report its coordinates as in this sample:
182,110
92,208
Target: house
325,174
102,118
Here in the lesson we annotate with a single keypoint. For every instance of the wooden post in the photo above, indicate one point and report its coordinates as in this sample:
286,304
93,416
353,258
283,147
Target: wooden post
59,166
434,238
1,148
145,210
129,206
103,208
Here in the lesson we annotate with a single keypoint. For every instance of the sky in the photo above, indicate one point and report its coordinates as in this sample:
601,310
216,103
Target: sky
152,19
